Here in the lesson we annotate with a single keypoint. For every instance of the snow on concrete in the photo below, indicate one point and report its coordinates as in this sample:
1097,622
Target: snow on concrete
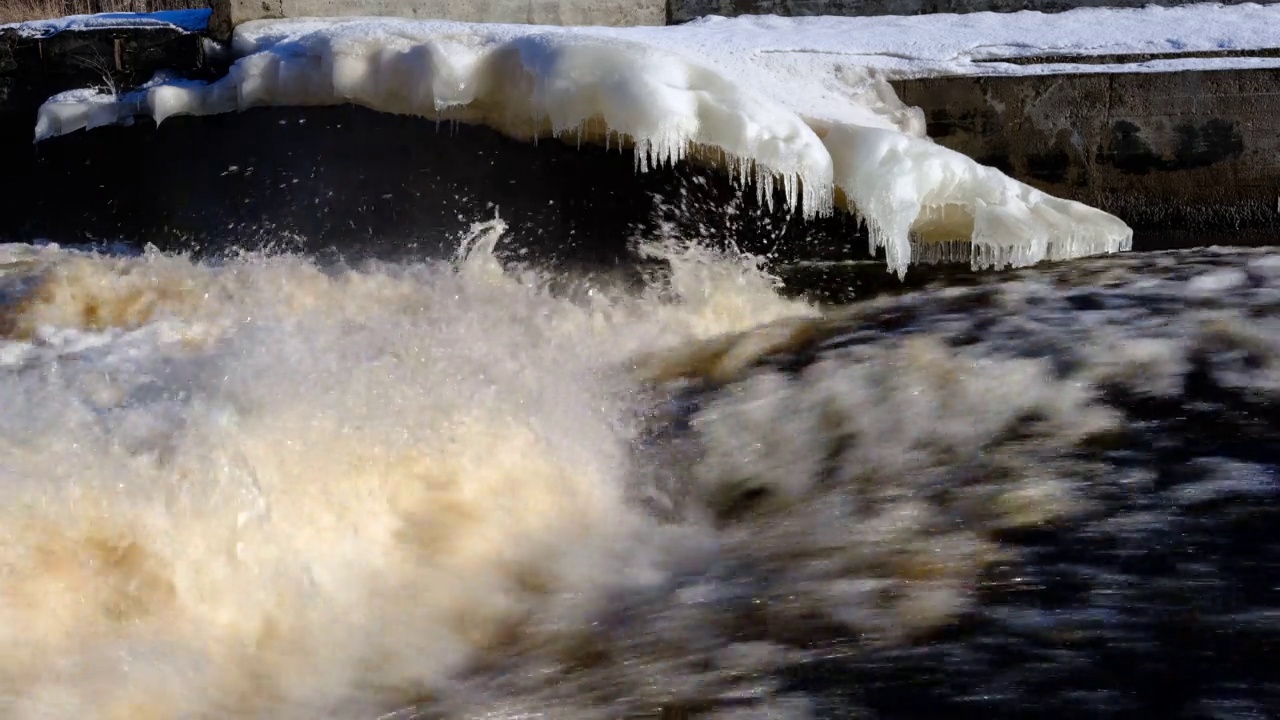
188,20
968,44
796,103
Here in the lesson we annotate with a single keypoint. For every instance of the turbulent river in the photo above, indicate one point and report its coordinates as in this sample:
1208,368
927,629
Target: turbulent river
261,487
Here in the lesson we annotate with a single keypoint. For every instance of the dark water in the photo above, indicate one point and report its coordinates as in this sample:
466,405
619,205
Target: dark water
351,182
1151,593
1049,493
1160,599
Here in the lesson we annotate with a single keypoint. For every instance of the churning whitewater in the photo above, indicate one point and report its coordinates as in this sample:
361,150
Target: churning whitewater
264,489
257,487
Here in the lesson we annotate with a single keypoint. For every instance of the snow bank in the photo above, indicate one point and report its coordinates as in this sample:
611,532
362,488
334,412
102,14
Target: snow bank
187,20
823,134
975,43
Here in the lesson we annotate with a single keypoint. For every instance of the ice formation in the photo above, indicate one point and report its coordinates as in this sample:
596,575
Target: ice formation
825,135
190,20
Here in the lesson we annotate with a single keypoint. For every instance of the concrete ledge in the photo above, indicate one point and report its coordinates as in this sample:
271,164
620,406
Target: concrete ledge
229,13
686,10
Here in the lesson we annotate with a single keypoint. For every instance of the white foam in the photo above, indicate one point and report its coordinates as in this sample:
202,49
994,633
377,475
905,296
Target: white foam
805,127
261,489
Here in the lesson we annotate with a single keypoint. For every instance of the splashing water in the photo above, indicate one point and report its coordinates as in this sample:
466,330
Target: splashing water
262,488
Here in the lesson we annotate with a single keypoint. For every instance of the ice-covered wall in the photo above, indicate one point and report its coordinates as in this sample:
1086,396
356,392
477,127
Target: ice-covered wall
820,129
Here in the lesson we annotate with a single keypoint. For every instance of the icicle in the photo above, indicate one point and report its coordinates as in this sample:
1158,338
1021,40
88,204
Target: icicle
667,105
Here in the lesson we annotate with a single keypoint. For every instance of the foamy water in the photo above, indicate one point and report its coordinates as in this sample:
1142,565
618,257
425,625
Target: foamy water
262,488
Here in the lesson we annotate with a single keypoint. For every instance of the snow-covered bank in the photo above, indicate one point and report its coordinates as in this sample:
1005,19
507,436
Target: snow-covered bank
187,20
975,43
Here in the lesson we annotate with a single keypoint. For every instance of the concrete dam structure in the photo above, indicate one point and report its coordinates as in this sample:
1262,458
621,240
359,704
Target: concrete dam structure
1180,155
229,13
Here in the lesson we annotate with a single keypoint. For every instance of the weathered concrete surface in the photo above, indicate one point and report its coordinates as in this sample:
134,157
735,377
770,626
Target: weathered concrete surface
685,10
1186,155
229,13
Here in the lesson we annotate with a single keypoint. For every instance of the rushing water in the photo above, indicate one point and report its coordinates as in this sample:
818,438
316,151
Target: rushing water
257,487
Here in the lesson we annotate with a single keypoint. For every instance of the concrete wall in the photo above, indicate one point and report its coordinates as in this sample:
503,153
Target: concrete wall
1187,156
229,13
685,10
